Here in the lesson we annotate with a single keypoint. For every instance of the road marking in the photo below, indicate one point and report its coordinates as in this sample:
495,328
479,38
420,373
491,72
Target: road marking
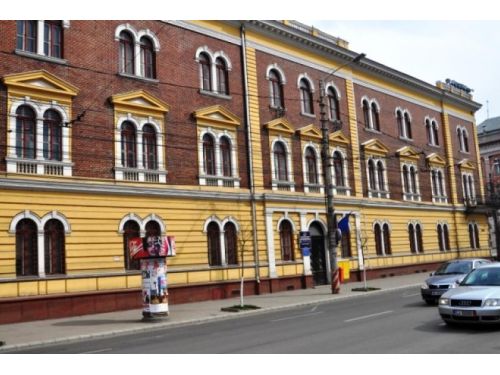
314,308
297,316
410,295
368,316
98,351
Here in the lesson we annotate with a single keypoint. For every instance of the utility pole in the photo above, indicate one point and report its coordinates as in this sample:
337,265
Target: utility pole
331,222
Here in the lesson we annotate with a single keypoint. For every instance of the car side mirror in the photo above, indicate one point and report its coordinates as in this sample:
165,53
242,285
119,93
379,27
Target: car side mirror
431,274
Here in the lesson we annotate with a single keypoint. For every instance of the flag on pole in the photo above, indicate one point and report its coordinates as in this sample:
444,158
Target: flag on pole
343,224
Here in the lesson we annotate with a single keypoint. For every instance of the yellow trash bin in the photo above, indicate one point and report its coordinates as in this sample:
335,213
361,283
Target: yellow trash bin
345,270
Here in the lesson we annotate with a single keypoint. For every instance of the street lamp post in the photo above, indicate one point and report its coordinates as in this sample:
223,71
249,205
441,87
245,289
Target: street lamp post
331,223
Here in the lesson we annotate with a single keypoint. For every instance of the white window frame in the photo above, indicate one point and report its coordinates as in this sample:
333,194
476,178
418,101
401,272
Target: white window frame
340,190
308,187
469,189
278,184
440,196
410,193
140,173
218,179
377,193
306,77
413,224
403,132
370,112
213,70
39,165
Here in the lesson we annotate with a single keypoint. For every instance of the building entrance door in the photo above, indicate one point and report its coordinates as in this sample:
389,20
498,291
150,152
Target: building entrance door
318,259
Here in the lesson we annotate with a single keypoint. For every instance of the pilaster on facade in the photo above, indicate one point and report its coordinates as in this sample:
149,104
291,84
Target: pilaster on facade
353,129
449,157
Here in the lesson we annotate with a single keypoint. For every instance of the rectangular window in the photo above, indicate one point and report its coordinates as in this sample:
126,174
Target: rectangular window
52,39
26,36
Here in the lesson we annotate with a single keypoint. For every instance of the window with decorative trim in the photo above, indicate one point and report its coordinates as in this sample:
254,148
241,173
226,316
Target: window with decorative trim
463,139
432,131
222,241
438,188
411,186
333,100
214,68
443,237
131,229
415,237
139,146
403,119
382,236
339,173
276,92
377,178
137,50
468,189
286,241
306,96
40,244
231,243
371,113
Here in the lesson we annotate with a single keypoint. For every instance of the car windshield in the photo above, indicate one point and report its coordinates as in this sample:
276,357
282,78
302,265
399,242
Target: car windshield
483,276
454,268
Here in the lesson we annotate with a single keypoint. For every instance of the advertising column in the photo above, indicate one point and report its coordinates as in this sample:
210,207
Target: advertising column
152,252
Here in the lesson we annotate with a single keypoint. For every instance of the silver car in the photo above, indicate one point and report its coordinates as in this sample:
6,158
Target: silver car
475,300
447,276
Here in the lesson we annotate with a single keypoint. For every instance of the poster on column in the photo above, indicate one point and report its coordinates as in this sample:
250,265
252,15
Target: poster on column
154,286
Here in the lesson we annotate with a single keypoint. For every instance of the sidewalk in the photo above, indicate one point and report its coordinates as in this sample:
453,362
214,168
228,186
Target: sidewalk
44,332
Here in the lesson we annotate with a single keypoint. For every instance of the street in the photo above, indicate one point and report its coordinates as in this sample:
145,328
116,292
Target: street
393,322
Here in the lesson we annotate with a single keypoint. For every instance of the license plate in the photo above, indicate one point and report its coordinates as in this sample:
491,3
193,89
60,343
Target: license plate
464,312
436,293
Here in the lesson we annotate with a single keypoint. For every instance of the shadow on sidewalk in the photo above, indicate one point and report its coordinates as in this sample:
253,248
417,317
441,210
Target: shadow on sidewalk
94,322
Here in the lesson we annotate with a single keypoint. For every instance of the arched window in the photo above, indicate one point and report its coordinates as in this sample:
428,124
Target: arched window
231,243
54,247
25,132
380,175
27,36
465,137
411,236
440,237
52,135
371,175
213,238
446,237
306,96
378,239
225,155
153,229
375,117
406,179
400,121
149,149
333,104
148,58
387,239
26,248
128,145
338,169
366,114
221,76
276,89
131,230
280,162
209,154
205,72
418,234
435,133
407,131
127,53
476,236
311,170
286,240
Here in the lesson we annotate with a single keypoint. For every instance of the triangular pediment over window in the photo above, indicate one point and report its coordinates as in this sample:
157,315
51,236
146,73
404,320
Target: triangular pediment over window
408,152
39,83
375,147
466,164
338,138
435,159
216,115
140,102
310,131
280,125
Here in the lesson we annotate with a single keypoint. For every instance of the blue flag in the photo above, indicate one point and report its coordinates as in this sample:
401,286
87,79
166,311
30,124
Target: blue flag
343,224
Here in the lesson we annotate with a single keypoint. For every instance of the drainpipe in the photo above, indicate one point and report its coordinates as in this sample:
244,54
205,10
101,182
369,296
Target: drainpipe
250,157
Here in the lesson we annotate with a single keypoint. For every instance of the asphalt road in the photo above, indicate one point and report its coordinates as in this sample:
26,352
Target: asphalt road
392,323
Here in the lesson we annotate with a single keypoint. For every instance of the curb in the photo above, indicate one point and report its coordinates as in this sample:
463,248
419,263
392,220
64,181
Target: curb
224,316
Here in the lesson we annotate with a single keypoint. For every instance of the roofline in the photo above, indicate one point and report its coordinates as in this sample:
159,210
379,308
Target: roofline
330,49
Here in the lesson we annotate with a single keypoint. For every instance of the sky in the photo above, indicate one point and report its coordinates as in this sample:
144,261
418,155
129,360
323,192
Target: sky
465,51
